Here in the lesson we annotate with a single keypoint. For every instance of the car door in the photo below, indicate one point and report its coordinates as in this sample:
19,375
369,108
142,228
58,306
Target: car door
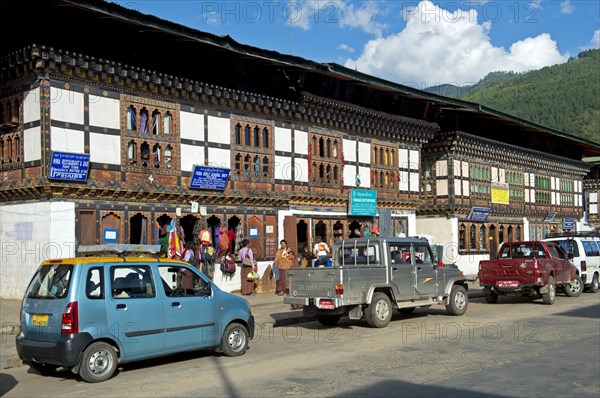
562,266
402,270
425,270
190,308
134,311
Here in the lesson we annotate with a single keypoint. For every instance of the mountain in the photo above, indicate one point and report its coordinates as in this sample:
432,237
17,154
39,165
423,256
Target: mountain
565,97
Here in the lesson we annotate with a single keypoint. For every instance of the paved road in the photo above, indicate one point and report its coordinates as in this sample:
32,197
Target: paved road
516,348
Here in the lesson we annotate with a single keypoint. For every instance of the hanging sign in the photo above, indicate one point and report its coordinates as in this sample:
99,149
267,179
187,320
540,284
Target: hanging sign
479,214
207,177
362,202
69,166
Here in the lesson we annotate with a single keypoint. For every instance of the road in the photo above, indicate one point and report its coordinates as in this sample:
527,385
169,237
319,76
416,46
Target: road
518,347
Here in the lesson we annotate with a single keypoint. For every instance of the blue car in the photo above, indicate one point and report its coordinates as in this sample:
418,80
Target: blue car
89,314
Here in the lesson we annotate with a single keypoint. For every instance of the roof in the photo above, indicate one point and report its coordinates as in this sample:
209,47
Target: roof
253,69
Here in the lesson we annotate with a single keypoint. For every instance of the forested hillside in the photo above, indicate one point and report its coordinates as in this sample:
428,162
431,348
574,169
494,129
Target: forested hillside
565,97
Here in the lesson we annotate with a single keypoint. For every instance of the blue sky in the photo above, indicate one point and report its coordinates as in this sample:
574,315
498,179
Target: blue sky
417,43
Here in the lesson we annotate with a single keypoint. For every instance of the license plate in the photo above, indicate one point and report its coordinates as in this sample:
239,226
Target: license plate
39,320
325,304
508,284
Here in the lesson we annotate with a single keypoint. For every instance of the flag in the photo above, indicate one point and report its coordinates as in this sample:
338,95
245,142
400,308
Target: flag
174,250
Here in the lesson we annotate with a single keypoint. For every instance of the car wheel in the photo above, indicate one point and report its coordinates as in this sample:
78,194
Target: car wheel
378,314
550,295
328,320
406,310
235,340
458,301
491,297
594,284
98,363
574,288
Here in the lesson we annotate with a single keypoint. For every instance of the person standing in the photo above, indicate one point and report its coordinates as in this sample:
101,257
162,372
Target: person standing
248,265
284,260
321,250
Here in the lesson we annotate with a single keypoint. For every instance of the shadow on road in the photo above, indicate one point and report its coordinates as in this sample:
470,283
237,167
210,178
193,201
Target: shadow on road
394,387
7,383
591,311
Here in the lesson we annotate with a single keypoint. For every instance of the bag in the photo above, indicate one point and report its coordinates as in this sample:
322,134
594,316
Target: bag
247,262
227,265
208,254
252,276
205,237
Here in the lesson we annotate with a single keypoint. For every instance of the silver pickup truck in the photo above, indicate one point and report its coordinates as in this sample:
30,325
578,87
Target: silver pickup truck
372,276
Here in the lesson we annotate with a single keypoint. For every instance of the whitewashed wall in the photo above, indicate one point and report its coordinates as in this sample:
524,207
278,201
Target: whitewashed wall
29,234
444,232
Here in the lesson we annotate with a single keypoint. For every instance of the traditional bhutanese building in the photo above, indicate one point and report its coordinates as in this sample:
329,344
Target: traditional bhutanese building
115,123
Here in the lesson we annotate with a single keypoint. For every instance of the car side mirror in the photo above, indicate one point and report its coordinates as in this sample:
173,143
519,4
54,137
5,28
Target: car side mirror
570,256
207,290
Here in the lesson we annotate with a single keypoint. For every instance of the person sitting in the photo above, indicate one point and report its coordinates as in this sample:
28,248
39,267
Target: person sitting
321,250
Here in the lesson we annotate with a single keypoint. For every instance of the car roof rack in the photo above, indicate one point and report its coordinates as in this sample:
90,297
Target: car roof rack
119,249
586,234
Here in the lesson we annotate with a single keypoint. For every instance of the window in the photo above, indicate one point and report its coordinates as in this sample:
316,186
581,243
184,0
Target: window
180,281
148,129
384,167
478,237
11,151
480,182
134,281
94,288
252,153
324,160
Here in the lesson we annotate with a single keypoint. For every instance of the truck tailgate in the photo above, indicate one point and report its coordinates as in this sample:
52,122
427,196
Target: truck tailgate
312,282
508,273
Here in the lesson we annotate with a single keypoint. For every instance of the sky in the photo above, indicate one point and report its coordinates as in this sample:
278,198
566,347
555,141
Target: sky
415,43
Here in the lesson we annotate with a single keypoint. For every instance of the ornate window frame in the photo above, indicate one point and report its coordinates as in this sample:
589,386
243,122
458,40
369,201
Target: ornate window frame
149,136
11,135
384,166
252,149
326,159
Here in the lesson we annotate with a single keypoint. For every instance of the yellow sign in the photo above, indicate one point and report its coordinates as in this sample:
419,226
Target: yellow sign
500,193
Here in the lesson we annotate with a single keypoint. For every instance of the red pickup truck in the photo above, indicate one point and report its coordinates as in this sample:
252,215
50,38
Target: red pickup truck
529,268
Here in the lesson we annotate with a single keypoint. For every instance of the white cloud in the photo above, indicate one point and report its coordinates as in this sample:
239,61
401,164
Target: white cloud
438,46
304,13
345,47
566,7
594,42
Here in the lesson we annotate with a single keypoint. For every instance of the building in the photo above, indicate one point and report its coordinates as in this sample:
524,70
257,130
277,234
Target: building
102,143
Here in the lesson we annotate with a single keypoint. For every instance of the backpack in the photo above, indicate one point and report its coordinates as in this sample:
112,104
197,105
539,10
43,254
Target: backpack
228,264
207,254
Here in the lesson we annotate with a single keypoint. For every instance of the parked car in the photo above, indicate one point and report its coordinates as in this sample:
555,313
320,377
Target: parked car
88,314
529,268
584,250
370,277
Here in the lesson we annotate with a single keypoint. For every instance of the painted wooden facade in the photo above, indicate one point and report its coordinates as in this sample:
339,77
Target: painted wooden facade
296,145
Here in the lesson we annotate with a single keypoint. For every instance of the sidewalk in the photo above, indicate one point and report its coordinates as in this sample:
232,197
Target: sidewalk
268,309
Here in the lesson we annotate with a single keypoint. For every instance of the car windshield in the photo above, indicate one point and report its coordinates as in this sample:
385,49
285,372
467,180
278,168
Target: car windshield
50,282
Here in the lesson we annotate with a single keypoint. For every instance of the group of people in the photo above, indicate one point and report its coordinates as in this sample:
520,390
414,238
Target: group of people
204,257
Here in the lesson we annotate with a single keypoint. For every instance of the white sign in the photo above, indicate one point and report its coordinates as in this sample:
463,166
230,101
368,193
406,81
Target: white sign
194,207
269,229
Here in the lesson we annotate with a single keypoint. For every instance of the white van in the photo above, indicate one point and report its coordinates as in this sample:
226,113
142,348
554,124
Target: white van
585,250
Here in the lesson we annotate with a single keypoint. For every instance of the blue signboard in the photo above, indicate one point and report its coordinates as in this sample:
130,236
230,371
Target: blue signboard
111,235
69,166
207,177
479,214
363,202
568,224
